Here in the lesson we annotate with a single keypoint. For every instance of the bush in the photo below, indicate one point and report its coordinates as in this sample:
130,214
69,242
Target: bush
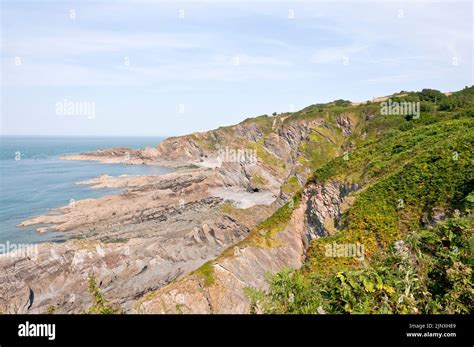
423,274
100,305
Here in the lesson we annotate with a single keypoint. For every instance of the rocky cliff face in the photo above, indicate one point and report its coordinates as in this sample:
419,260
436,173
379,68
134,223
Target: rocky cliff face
57,275
140,244
194,240
130,243
324,206
223,288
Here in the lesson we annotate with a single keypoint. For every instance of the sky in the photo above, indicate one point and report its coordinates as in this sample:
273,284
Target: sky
162,68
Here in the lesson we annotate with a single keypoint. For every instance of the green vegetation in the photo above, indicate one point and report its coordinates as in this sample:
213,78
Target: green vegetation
208,143
323,144
264,123
100,304
410,174
51,309
227,207
432,99
431,272
264,234
267,158
206,272
291,186
341,102
258,180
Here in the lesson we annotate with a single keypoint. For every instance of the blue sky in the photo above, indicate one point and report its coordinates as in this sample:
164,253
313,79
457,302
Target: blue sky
167,68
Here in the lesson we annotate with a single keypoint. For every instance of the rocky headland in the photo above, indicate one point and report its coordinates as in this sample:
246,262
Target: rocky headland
190,240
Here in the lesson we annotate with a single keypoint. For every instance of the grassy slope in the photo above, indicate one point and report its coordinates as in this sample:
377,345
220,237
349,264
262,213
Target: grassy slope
409,169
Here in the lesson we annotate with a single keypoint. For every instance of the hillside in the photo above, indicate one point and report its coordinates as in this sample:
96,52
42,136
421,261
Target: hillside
401,190
205,238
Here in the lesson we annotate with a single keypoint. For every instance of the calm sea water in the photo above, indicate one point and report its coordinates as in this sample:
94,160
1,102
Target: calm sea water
40,180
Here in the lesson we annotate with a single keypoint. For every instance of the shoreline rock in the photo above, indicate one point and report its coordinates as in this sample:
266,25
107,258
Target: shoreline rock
160,228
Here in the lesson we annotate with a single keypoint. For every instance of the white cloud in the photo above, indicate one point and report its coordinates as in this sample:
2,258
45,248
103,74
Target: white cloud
32,73
85,42
335,54
250,60
59,75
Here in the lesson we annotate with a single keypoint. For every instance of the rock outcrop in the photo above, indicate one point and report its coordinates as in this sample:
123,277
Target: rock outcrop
141,243
56,275
248,266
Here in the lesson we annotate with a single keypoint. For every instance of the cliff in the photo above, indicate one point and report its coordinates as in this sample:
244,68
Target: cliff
246,201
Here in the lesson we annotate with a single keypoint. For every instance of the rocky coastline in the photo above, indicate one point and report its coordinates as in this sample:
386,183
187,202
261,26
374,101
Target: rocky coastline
160,230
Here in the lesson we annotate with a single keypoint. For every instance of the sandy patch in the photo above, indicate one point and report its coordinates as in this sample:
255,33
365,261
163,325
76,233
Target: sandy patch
243,199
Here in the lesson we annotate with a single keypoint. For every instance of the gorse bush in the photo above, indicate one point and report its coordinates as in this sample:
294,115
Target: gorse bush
429,272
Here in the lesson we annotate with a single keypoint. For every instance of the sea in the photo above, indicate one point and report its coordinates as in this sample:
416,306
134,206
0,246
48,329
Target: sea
33,180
